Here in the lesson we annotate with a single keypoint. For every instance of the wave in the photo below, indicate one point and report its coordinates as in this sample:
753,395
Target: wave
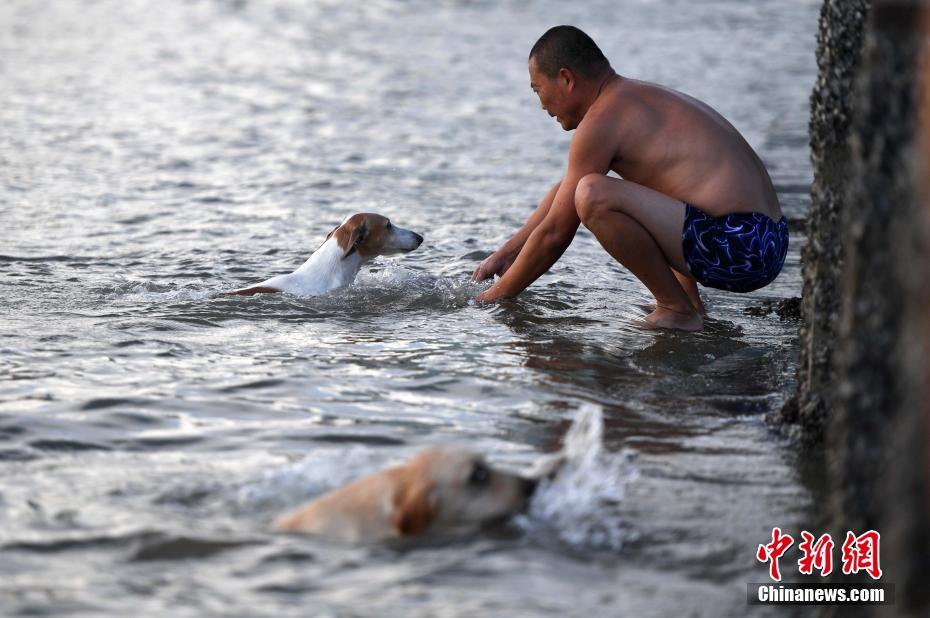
580,506
387,286
317,472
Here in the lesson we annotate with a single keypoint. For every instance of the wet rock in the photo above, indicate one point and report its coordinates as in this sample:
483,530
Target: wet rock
865,334
839,44
789,308
759,311
785,309
877,439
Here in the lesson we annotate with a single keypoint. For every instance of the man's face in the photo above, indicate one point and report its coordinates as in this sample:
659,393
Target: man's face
553,93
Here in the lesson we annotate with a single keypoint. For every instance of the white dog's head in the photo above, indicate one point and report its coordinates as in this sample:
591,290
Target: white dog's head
369,235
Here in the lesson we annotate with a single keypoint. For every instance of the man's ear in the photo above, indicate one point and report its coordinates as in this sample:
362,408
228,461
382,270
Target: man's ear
568,78
414,508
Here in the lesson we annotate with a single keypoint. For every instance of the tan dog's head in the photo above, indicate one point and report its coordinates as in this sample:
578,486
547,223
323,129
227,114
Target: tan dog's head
369,235
449,487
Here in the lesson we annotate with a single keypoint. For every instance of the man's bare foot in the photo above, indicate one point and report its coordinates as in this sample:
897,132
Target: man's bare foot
663,317
690,287
695,299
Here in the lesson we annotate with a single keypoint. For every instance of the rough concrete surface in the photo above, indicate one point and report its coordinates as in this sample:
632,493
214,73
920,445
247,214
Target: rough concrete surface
839,42
863,377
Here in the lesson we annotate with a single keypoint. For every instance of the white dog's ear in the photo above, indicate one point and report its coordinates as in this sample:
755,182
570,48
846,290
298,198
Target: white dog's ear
414,508
354,238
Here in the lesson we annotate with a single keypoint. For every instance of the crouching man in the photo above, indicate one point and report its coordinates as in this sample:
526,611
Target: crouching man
694,203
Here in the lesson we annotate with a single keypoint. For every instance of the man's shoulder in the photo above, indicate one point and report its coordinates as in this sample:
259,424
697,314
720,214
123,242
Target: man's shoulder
619,110
600,134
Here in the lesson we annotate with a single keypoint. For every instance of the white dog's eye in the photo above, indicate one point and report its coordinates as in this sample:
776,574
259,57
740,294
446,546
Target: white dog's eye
479,475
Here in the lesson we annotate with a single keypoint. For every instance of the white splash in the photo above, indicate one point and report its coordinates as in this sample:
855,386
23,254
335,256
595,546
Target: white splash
581,504
159,292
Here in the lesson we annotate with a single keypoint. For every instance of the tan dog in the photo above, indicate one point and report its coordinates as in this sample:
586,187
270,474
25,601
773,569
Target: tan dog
443,488
356,240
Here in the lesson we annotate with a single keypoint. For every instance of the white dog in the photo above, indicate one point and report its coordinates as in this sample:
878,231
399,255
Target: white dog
358,239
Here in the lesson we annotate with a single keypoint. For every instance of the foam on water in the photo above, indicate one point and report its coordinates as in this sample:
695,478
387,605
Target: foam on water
319,471
436,290
580,504
392,286
387,281
155,292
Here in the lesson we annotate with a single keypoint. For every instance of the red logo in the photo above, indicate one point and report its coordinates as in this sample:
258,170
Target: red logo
817,555
860,553
773,551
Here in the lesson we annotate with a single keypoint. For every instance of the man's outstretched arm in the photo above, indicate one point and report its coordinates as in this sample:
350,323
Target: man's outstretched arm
501,260
543,247
589,153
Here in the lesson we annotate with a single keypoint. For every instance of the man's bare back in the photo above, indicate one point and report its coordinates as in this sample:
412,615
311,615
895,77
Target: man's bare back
679,146
693,203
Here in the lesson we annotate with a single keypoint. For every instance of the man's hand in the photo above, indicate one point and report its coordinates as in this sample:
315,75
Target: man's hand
486,297
495,264
502,259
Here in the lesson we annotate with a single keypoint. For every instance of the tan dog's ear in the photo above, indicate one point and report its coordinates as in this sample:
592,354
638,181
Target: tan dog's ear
350,239
414,508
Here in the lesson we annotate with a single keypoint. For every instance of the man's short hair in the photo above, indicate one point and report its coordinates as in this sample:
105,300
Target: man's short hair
569,48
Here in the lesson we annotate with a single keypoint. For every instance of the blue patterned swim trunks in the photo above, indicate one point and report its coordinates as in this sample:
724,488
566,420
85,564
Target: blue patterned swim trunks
739,252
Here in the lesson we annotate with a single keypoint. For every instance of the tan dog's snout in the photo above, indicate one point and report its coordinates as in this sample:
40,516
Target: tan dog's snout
529,487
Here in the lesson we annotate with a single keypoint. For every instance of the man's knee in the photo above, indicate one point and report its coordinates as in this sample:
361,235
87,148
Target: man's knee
590,197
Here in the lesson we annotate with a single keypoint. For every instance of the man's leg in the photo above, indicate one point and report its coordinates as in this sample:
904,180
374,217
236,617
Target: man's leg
641,229
689,285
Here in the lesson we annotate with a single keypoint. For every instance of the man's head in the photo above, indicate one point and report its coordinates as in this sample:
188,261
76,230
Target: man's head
567,47
564,65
